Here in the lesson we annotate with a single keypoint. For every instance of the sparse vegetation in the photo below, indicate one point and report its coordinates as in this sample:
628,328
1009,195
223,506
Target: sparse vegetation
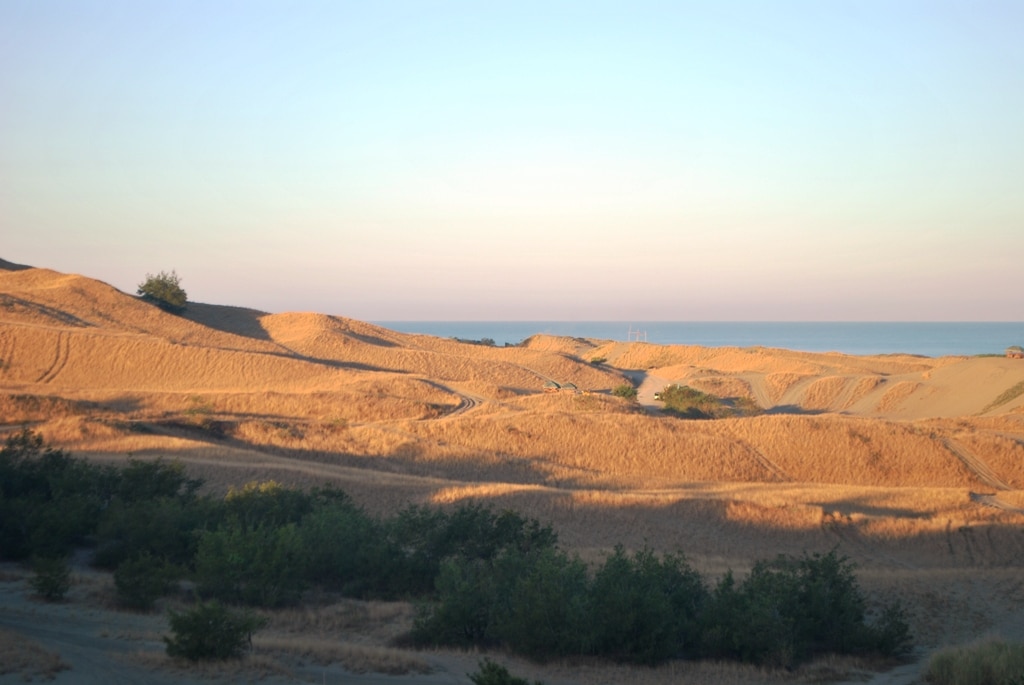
1006,396
141,580
491,673
988,662
211,631
625,391
164,290
690,403
51,578
26,658
486,342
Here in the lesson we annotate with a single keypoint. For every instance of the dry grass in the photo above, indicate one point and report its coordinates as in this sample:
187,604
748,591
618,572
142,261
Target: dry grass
28,659
990,661
822,393
854,451
251,668
356,658
1005,397
896,394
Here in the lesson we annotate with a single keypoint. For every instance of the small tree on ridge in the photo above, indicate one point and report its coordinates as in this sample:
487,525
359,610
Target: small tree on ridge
164,290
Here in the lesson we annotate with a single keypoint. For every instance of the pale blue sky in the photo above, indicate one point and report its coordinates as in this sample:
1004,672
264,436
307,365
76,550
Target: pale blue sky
815,160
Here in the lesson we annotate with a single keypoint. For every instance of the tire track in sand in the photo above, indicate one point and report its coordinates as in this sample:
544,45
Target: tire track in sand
765,463
60,359
6,350
994,502
975,465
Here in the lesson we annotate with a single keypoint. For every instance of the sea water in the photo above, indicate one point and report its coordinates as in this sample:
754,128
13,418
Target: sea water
930,339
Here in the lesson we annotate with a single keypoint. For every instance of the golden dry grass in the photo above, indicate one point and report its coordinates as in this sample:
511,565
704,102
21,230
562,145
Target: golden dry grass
893,457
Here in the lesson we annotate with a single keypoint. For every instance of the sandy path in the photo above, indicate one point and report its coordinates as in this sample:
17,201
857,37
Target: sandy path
646,386
105,647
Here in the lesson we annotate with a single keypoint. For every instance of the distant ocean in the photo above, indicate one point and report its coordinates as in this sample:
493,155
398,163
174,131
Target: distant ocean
930,339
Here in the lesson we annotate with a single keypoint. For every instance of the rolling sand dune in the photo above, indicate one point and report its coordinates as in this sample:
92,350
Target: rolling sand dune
913,466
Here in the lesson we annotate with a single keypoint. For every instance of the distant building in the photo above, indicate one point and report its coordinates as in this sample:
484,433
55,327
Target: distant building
1015,352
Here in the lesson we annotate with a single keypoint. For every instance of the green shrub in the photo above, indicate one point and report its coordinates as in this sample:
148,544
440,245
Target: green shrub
51,578
141,581
790,609
463,614
890,635
260,504
491,673
347,550
259,567
531,602
645,609
163,527
541,603
690,403
211,631
991,662
597,361
422,537
49,501
625,391
164,290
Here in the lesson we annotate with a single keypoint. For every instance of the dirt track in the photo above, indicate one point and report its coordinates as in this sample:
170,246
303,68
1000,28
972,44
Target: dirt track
101,646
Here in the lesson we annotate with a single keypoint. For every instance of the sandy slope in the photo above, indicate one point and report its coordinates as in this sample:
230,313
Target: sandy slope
912,465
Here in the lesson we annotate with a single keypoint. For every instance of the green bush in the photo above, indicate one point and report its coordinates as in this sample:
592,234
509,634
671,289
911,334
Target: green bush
422,537
141,581
260,504
690,403
541,606
163,527
491,673
211,631
646,609
164,290
51,578
531,602
991,662
49,501
790,609
625,391
259,567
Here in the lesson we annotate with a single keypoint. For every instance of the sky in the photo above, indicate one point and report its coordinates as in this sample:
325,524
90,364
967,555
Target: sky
848,160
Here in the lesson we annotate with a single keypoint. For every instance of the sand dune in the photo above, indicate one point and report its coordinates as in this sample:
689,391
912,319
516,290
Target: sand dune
68,336
892,457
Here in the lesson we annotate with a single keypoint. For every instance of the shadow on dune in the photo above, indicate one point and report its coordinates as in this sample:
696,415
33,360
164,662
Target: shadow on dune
10,302
11,266
793,409
861,505
235,320
408,458
338,364
372,339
